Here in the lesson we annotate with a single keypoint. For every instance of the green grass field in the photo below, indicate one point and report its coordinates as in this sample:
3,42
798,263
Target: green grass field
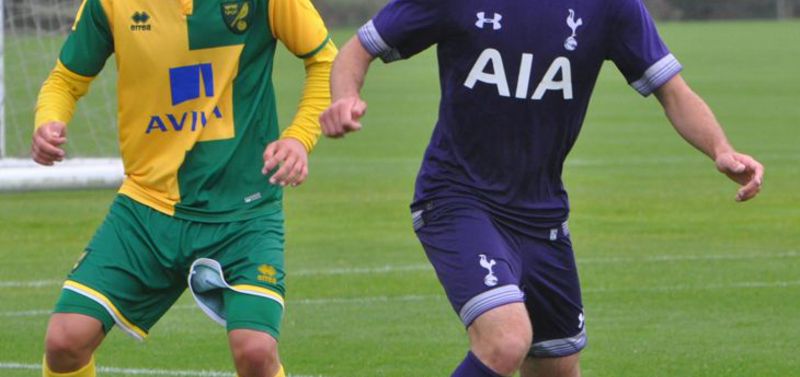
679,280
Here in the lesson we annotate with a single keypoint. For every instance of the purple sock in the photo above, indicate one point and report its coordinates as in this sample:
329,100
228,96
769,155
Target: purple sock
473,367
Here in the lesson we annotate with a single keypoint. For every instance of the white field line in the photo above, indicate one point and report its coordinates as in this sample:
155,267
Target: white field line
704,287
386,269
139,372
26,313
30,283
679,258
407,298
362,270
364,300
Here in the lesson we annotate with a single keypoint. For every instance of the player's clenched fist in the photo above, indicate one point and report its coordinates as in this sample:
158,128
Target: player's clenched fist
343,116
291,156
47,141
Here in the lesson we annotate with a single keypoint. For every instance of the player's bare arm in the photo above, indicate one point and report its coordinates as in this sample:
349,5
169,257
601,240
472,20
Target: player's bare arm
347,78
695,122
47,141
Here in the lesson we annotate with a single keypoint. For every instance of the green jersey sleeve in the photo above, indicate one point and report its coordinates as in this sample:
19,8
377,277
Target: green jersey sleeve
91,42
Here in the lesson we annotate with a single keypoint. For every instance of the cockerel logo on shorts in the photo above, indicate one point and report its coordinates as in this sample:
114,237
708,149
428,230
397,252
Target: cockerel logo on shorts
490,279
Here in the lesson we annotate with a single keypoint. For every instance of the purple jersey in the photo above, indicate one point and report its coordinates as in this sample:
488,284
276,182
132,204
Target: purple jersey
516,78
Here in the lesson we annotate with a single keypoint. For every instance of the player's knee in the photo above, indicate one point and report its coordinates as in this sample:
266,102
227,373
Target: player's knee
61,343
66,352
503,342
72,339
506,353
254,356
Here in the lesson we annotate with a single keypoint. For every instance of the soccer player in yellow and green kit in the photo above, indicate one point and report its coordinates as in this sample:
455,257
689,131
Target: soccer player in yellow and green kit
200,205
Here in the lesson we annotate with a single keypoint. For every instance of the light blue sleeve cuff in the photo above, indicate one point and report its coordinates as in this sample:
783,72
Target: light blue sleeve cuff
658,74
375,45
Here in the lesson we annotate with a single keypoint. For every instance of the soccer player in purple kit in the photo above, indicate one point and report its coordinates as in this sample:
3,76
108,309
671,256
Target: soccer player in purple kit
490,209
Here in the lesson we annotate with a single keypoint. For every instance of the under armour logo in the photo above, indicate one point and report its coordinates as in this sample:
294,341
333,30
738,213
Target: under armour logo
571,43
490,280
482,20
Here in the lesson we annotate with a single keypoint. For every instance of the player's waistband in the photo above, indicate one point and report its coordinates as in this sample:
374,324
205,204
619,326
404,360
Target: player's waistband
263,208
543,227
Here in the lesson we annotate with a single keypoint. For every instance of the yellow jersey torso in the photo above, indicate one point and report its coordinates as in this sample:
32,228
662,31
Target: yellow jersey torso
196,100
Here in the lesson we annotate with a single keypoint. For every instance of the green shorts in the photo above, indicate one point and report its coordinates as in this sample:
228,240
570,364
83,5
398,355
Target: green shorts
138,264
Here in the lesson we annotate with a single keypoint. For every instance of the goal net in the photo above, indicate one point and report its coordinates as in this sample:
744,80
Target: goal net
32,34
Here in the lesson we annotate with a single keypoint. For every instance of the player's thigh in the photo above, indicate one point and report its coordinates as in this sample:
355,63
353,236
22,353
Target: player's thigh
473,258
553,297
122,277
253,261
504,326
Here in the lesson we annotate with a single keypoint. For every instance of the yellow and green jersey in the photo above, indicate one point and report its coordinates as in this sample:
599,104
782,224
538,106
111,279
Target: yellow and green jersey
196,99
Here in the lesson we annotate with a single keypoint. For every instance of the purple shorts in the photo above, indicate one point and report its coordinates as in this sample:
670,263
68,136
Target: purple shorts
483,264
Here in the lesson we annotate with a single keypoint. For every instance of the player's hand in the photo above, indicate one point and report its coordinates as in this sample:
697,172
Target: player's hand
47,141
343,117
291,156
744,170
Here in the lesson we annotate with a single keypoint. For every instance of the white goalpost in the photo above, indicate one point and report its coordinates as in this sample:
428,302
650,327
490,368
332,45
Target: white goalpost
77,173
32,33
2,86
